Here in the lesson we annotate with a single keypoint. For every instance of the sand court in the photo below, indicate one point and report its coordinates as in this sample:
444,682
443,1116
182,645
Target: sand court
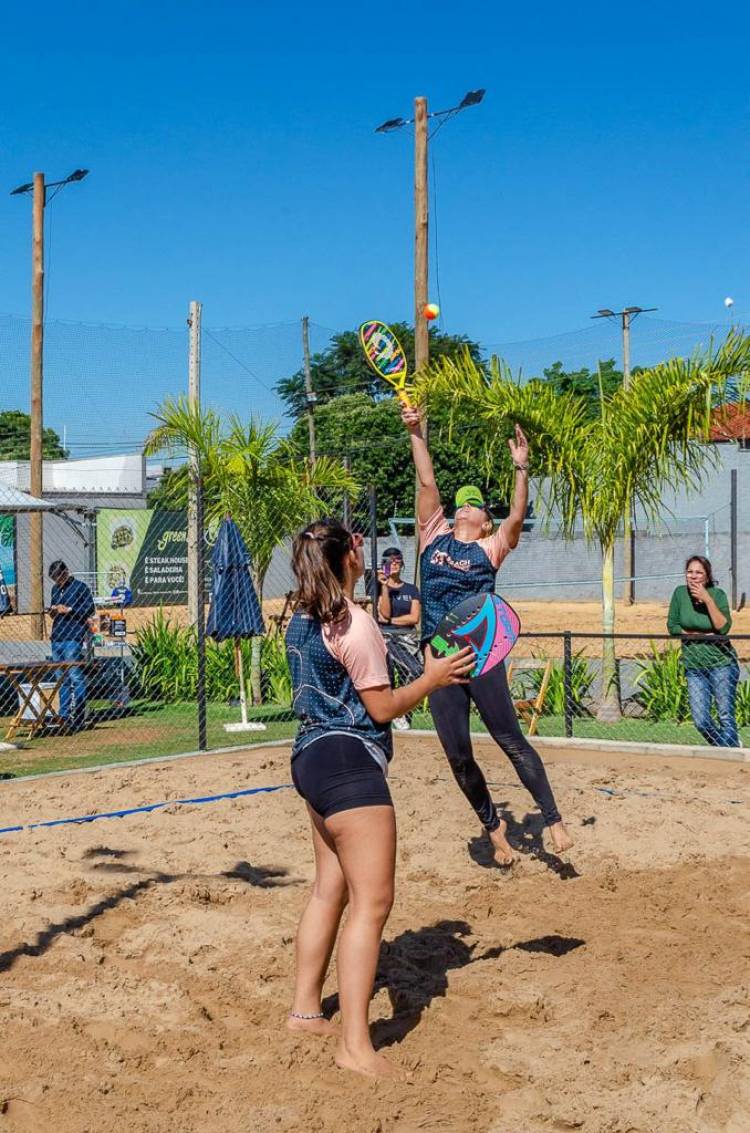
146,962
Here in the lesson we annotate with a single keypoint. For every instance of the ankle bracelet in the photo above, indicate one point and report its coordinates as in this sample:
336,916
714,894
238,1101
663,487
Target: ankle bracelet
297,1015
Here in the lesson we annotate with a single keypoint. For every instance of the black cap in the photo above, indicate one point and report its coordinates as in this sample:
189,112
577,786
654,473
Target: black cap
393,553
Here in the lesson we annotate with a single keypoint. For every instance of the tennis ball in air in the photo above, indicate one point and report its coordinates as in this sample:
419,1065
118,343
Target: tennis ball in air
430,311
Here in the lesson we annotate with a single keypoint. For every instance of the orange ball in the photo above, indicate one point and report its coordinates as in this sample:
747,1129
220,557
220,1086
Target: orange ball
430,310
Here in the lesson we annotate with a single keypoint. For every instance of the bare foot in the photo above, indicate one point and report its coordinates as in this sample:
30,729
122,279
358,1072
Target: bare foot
367,1062
561,840
323,1027
503,851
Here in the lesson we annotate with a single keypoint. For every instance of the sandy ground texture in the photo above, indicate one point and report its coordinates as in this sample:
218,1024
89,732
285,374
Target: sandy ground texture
146,962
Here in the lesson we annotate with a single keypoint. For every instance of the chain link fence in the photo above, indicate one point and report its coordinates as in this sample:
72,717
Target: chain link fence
130,684
141,683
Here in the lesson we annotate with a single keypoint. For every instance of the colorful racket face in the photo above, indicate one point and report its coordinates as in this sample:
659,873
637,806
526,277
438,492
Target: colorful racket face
484,621
385,355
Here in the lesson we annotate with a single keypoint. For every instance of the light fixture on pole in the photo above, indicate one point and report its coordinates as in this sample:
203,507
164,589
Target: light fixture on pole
421,275
38,188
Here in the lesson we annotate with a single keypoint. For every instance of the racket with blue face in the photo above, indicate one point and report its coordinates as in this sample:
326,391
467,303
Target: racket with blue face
485,622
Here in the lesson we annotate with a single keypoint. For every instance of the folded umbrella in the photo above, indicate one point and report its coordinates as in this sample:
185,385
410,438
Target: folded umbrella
235,610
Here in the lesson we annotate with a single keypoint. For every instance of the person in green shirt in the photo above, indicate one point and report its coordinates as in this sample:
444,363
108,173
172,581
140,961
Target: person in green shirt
698,609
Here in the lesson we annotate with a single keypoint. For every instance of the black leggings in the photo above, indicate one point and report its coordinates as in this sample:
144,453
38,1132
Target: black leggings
450,710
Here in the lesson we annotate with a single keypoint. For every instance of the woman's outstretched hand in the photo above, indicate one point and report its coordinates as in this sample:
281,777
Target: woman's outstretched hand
519,447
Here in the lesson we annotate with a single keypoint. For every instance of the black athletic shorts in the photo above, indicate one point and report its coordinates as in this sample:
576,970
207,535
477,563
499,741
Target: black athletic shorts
338,773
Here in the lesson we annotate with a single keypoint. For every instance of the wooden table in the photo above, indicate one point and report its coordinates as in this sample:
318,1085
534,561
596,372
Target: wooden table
27,679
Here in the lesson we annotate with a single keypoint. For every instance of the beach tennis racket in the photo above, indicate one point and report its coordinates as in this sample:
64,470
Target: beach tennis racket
485,622
385,355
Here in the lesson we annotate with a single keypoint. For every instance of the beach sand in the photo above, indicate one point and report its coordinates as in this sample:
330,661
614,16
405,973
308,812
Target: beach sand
146,962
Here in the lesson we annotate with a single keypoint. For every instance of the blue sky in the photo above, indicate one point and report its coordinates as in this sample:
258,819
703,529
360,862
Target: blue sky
233,159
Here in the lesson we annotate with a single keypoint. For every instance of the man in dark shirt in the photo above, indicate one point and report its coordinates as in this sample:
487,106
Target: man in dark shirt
72,606
399,611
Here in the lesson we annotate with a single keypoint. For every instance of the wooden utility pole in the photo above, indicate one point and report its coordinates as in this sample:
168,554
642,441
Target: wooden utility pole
421,273
36,530
309,394
628,533
626,316
194,534
421,230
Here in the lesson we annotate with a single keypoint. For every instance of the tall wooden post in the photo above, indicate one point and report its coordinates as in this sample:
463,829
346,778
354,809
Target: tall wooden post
421,272
194,534
421,231
36,530
627,524
309,395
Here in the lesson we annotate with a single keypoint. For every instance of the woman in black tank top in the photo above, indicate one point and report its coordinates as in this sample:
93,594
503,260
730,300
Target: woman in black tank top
345,705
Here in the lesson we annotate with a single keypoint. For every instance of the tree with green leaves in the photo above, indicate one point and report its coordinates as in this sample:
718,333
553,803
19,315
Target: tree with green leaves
341,369
585,383
644,440
249,472
15,438
370,435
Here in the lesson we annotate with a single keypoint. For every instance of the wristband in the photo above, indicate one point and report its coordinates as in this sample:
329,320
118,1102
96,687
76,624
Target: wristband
521,467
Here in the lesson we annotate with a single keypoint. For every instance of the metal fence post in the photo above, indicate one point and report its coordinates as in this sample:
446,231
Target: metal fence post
373,501
200,622
568,681
347,508
733,534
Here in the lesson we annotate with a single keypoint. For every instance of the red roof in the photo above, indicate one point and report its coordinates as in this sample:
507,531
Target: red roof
731,422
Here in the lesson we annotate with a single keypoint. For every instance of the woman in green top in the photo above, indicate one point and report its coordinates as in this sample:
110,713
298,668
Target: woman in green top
711,667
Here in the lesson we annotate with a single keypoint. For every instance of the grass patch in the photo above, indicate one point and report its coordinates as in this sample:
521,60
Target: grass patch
151,730
627,730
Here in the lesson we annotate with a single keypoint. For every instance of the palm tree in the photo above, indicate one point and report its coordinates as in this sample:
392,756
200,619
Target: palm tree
250,473
645,439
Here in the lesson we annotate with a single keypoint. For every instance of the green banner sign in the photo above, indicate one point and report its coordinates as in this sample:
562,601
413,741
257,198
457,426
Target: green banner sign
145,551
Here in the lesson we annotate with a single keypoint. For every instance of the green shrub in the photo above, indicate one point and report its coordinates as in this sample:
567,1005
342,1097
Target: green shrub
165,659
277,680
662,685
581,680
742,705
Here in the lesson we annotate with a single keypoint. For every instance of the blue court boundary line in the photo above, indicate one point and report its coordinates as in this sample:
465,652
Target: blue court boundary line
84,818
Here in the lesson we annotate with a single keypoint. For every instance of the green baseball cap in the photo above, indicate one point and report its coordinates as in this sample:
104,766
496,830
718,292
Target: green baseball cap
470,494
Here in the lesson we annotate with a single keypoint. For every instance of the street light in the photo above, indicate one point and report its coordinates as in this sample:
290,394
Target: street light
76,175
38,187
471,98
419,121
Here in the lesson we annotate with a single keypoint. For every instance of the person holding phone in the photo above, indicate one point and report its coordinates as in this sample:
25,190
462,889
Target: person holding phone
71,608
698,609
399,611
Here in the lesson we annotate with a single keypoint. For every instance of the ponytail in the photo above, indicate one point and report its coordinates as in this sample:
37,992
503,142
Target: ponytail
318,555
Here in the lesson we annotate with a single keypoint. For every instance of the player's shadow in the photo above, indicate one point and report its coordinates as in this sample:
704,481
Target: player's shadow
526,838
414,968
260,877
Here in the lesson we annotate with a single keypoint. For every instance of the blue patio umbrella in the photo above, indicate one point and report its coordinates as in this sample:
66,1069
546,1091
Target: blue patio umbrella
235,610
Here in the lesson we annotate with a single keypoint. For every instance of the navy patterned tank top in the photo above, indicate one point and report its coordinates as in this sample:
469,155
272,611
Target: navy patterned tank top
449,572
324,698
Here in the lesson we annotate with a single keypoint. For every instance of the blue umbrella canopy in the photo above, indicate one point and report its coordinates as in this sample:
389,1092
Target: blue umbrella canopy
235,610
